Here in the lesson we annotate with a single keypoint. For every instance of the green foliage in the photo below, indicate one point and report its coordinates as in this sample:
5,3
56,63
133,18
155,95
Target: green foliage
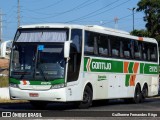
151,8
158,38
140,33
4,81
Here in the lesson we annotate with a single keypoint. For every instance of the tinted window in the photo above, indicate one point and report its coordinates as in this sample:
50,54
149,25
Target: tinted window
137,50
91,43
115,46
145,51
118,47
103,45
127,48
153,52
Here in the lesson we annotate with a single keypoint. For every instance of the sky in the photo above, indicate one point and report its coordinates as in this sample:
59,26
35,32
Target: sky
84,12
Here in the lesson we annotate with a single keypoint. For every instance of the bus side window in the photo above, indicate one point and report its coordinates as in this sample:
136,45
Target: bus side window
95,45
103,45
127,48
137,50
89,43
153,52
144,51
115,46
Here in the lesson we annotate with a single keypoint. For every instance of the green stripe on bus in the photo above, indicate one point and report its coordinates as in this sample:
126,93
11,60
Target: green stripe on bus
101,65
141,68
98,65
39,82
13,80
127,80
130,69
85,64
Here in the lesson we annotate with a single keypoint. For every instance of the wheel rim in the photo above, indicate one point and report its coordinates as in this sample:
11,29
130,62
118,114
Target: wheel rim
86,97
145,92
137,96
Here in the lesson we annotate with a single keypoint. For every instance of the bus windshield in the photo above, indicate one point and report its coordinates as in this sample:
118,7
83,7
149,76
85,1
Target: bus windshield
50,62
38,54
41,62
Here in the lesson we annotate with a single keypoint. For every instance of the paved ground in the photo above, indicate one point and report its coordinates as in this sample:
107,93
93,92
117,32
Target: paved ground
113,107
150,104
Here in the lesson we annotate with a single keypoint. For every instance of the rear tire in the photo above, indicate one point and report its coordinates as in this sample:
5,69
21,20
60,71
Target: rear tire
144,92
39,104
137,95
87,98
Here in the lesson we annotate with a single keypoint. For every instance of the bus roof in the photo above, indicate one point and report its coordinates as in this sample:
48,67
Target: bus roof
53,25
94,28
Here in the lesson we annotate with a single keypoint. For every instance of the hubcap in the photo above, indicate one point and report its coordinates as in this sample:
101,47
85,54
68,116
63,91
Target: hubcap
86,97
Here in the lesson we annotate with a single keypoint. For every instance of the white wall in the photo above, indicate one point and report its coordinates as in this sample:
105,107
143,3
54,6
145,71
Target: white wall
4,93
3,49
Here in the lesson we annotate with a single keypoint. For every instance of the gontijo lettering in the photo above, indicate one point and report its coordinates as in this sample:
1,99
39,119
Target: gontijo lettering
101,65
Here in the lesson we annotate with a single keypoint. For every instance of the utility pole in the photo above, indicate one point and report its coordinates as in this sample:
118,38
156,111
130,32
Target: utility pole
1,25
132,15
18,14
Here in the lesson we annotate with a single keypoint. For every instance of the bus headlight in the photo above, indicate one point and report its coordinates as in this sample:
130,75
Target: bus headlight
13,85
57,86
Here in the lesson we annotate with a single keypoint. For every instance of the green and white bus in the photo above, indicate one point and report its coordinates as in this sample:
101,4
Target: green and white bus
77,63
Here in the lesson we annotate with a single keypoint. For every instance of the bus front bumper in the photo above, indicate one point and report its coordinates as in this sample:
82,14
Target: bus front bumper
57,95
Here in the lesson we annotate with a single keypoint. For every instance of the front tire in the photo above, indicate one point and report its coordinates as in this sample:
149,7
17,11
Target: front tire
87,98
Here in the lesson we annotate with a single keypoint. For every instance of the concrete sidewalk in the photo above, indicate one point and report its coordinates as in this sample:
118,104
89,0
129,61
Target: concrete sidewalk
4,93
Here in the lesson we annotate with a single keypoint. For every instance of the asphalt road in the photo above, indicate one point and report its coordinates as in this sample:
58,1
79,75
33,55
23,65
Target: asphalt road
113,106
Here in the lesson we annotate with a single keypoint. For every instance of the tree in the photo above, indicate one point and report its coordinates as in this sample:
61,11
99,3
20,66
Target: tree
151,8
140,33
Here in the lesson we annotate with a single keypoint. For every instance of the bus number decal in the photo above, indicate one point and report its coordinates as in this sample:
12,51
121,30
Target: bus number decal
153,69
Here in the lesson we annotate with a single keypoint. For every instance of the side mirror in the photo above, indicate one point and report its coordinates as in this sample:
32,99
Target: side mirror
67,48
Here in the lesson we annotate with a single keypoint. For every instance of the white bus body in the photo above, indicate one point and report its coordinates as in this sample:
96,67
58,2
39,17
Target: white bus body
104,64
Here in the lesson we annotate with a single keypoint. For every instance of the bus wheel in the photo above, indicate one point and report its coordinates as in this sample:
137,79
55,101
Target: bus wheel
39,104
87,98
144,92
137,94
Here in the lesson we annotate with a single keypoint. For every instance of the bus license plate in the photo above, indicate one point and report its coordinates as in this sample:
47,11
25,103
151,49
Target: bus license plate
33,94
